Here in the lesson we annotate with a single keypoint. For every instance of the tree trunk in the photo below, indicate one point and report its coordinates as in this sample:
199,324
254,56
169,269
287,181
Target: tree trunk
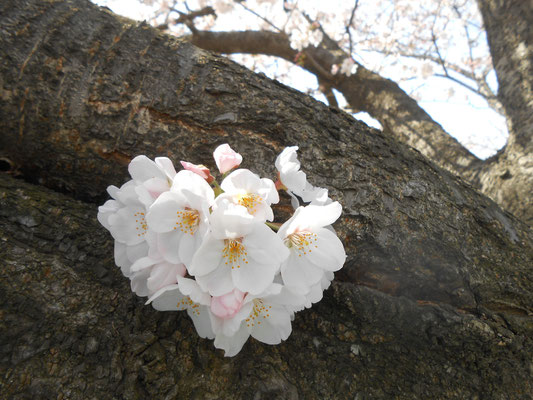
510,173
435,299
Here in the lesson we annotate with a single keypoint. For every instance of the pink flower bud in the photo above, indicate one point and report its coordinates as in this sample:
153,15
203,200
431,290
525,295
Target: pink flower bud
201,170
226,306
226,158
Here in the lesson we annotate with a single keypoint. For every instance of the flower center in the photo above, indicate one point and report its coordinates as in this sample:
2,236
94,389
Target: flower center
250,201
188,221
142,226
302,242
234,253
186,303
259,310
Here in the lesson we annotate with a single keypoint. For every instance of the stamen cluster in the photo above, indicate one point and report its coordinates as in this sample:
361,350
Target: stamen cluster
189,243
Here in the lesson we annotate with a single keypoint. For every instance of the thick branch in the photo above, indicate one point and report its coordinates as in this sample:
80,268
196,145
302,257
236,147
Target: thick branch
436,292
366,91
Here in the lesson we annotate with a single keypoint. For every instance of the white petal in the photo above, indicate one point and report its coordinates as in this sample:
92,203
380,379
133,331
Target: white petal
232,344
264,245
163,214
329,252
121,258
138,283
166,299
314,216
207,257
193,183
164,274
274,328
190,287
201,321
141,169
230,221
104,211
240,180
142,263
187,247
254,277
299,272
218,282
137,251
128,225
166,165
168,246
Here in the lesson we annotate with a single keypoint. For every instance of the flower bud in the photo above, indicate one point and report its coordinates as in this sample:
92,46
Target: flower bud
226,158
226,306
201,170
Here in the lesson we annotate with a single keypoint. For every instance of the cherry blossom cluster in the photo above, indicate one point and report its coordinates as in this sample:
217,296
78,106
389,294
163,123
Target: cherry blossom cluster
214,250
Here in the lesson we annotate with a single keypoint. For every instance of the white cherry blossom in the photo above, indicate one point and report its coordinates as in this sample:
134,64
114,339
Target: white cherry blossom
186,295
266,317
247,189
239,252
314,249
295,180
180,217
151,177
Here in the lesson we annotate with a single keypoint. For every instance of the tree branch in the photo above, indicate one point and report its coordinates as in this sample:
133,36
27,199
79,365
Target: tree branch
366,91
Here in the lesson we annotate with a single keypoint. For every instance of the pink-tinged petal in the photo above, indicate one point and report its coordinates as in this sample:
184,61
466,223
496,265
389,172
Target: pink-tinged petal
274,328
233,325
156,186
226,158
298,272
166,299
227,305
168,246
141,169
164,274
254,277
163,215
232,344
202,322
166,165
207,257
328,253
218,282
200,170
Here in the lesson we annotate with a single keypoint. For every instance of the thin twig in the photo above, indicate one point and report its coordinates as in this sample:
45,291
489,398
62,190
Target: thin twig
350,22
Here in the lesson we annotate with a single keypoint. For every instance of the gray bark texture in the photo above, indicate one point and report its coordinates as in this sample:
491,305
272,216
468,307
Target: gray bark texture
435,299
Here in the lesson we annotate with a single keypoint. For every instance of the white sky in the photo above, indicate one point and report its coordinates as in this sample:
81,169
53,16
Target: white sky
465,116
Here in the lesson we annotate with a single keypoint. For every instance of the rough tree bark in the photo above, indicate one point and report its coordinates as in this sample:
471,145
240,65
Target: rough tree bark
435,300
506,177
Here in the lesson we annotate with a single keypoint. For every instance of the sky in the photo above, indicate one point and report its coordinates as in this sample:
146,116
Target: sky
464,116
